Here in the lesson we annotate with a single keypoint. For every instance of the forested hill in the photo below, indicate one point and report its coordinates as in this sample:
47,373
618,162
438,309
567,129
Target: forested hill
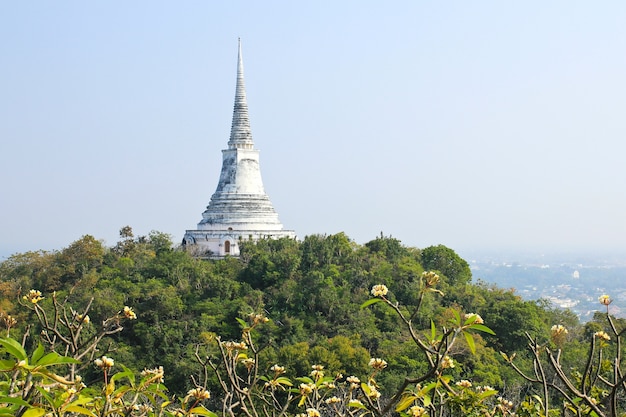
311,290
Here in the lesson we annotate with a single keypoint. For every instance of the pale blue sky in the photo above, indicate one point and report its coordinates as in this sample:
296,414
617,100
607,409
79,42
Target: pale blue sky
478,125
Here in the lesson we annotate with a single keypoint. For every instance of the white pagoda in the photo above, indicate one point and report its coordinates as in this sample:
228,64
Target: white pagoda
239,209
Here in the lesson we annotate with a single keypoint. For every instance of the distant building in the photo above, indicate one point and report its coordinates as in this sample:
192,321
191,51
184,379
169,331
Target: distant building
239,209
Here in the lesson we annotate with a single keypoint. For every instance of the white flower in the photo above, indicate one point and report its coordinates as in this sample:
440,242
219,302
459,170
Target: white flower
447,362
312,412
464,383
417,411
373,393
104,363
602,335
129,313
378,363
199,394
477,320
34,296
155,374
558,330
379,290
278,369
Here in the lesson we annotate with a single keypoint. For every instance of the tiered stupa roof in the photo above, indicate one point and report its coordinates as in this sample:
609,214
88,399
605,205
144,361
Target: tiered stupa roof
239,209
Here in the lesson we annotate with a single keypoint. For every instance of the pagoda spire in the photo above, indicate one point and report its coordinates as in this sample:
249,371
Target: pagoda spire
240,132
239,210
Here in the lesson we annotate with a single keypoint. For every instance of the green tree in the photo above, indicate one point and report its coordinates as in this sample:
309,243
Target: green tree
447,262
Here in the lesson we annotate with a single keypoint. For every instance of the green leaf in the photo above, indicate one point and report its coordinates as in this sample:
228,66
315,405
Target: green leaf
80,410
366,389
81,400
356,404
131,377
371,301
203,412
7,364
119,393
406,402
157,390
433,330
481,328
13,400
54,358
37,354
284,381
45,394
34,412
470,342
429,387
445,378
242,322
323,381
13,348
457,318
124,374
487,393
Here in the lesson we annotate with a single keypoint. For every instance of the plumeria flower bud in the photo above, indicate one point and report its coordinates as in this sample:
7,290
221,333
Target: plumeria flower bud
85,319
353,381
155,374
34,296
378,363
417,411
317,372
602,336
129,313
373,393
477,320
464,383
379,290
248,363
306,389
104,363
312,412
558,329
447,362
278,369
198,394
9,321
558,333
430,278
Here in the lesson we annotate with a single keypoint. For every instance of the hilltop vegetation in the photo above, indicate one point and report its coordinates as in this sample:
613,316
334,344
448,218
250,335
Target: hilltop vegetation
312,292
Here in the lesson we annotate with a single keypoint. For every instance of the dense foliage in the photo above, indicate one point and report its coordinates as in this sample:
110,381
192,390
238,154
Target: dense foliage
312,291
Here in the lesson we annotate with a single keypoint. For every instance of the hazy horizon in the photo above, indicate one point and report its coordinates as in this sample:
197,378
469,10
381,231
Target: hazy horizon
473,125
500,254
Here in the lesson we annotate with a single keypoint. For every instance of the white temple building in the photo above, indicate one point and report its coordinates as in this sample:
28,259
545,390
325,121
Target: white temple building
239,209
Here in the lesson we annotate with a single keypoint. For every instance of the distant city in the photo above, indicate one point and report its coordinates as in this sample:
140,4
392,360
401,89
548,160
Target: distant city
569,281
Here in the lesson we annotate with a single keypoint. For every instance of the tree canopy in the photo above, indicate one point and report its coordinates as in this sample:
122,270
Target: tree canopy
310,290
